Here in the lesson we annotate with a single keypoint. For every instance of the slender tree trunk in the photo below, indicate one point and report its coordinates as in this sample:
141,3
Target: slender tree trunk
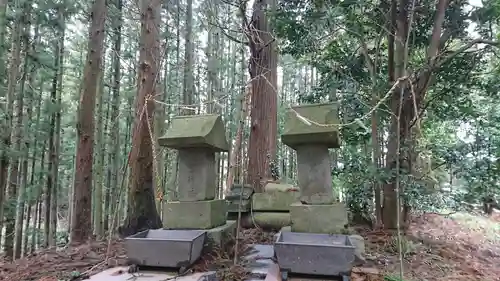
239,137
81,228
3,157
99,163
57,132
29,76
7,132
114,144
188,83
37,219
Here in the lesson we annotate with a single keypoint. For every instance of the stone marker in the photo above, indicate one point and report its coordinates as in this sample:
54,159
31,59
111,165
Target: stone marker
197,138
308,133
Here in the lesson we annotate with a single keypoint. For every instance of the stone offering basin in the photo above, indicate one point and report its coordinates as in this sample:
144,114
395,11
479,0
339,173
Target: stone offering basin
165,248
315,254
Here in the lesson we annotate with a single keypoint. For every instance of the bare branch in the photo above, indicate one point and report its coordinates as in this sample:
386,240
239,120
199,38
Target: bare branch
232,38
463,49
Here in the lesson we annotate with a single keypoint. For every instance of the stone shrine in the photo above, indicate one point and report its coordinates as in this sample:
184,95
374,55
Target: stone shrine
318,211
197,138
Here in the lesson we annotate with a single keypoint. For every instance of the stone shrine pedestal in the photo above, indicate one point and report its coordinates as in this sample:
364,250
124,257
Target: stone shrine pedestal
197,138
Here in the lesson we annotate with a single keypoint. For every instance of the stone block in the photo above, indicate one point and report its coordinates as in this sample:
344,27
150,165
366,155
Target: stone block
219,236
265,220
196,131
314,174
359,243
318,218
274,200
233,198
197,176
276,186
234,206
299,131
194,215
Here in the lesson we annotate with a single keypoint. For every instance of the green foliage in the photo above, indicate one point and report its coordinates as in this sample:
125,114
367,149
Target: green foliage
392,278
461,99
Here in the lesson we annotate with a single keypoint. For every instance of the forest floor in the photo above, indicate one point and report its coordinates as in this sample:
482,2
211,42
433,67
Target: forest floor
455,247
437,247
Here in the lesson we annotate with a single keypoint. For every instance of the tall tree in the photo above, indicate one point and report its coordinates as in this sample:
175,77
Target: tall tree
263,72
114,140
188,82
20,135
141,211
81,224
3,163
8,122
407,100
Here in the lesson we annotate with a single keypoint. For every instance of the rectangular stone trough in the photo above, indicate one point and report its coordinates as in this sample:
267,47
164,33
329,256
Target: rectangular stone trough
165,248
315,254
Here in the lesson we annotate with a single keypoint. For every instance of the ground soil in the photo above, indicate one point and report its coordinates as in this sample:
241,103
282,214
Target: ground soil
436,247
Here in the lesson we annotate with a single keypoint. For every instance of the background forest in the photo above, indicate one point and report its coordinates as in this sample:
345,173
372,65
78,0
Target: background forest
86,88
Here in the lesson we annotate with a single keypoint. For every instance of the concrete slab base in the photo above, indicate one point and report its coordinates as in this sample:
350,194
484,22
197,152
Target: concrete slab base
219,235
121,274
328,219
260,262
194,215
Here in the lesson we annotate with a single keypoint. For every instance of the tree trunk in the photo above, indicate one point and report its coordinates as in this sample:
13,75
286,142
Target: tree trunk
27,76
81,225
3,157
141,212
57,130
29,106
98,154
114,140
37,219
244,99
405,108
263,72
188,83
7,131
